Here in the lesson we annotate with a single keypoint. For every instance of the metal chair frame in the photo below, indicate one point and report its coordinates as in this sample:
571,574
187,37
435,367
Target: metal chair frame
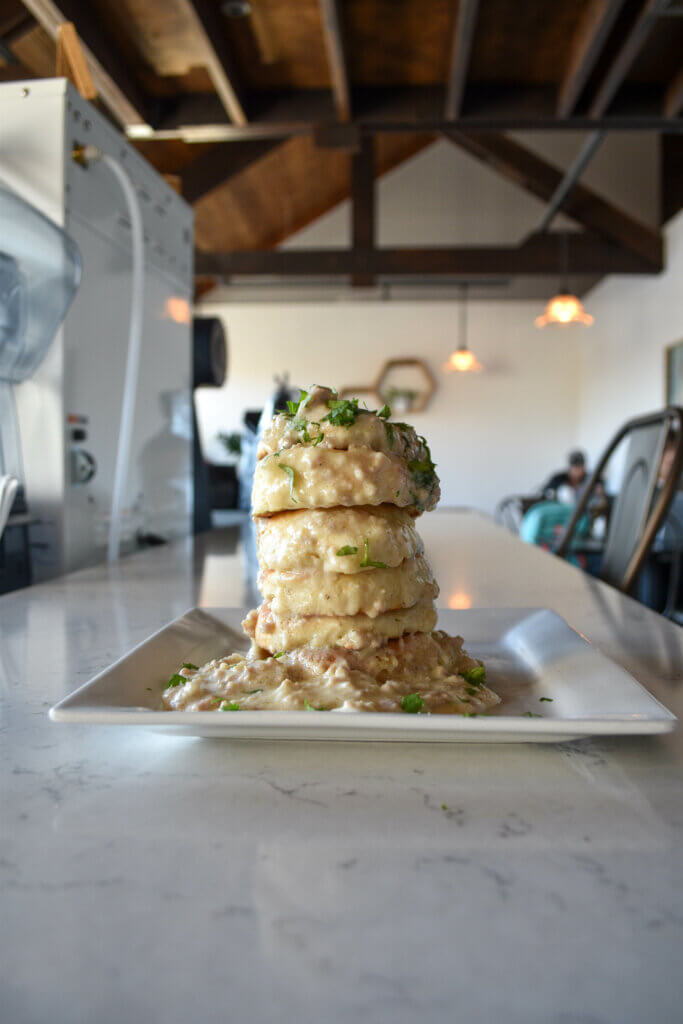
657,514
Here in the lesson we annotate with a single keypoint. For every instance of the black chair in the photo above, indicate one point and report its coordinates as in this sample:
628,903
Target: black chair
640,507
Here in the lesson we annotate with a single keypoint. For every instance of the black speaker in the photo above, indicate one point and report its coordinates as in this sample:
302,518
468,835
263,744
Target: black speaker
209,353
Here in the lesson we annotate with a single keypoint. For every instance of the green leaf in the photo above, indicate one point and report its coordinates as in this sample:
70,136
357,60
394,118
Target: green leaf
310,707
348,549
549,699
385,412
302,426
343,411
318,439
175,680
229,706
188,664
389,428
278,655
475,676
412,703
367,562
292,408
290,473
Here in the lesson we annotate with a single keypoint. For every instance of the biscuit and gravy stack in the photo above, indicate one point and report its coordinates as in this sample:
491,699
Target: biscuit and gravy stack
347,619
343,575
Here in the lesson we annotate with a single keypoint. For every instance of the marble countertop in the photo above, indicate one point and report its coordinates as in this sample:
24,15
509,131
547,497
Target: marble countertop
153,878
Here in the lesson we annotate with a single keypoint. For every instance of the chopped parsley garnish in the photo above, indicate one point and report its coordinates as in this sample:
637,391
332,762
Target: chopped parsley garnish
290,473
470,714
294,407
188,664
348,549
549,699
175,680
229,706
385,412
475,676
422,472
302,427
412,703
472,691
255,691
310,707
278,655
389,428
444,807
530,714
318,439
367,562
343,411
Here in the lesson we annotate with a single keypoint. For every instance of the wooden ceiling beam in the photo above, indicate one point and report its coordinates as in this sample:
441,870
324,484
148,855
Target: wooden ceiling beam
220,65
336,57
116,86
585,49
363,204
201,118
461,50
535,175
648,13
538,255
673,100
221,163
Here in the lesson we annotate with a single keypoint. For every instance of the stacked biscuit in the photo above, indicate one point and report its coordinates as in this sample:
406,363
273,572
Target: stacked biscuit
335,496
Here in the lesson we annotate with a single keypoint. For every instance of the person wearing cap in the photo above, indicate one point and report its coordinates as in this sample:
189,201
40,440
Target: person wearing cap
566,485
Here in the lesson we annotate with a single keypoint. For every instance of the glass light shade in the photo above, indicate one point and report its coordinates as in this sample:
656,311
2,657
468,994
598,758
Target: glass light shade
564,309
462,361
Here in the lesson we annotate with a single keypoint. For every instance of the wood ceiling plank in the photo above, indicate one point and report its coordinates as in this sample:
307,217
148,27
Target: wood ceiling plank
113,78
220,163
461,51
535,175
584,51
333,35
286,191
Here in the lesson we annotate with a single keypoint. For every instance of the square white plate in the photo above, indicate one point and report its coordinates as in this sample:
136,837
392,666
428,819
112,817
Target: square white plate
529,654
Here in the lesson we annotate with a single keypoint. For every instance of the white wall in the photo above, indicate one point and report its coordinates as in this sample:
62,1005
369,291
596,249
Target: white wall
623,354
491,433
443,196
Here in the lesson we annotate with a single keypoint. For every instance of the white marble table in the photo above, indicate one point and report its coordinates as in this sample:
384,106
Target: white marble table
148,878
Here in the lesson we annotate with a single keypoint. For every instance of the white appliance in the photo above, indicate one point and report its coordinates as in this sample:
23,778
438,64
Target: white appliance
69,411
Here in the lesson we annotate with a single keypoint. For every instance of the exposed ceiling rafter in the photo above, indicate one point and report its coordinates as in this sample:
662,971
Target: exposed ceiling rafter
539,254
363,203
585,49
210,25
113,79
542,179
631,46
336,57
461,50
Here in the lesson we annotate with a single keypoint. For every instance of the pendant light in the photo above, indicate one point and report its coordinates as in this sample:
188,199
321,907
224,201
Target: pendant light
462,360
564,308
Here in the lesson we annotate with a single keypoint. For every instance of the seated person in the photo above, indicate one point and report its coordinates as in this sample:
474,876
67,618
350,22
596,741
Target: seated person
565,486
